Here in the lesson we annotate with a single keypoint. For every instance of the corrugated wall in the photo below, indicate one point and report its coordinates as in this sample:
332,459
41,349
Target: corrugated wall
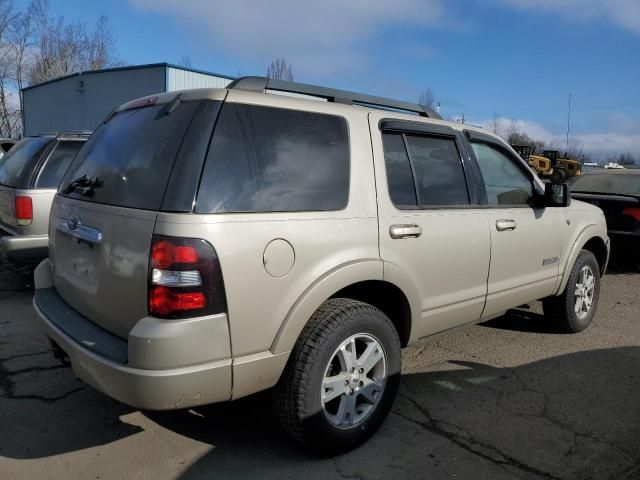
178,79
81,102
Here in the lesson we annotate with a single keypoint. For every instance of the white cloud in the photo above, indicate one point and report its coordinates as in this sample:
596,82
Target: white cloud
317,37
598,144
624,13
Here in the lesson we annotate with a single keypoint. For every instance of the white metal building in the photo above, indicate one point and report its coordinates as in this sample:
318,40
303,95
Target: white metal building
82,100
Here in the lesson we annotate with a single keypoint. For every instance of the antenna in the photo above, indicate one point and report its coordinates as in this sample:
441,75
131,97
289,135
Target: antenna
568,123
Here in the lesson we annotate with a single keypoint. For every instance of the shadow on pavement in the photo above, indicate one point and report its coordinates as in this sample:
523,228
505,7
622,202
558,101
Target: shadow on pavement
523,321
573,416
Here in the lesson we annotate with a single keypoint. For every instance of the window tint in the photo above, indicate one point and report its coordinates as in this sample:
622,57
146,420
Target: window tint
132,156
17,165
435,163
57,164
505,182
266,159
399,177
438,171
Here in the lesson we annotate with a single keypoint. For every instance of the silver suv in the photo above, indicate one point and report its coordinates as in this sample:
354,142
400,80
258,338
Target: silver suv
209,244
29,176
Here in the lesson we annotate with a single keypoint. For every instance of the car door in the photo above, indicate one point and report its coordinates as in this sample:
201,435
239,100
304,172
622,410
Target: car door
526,242
434,241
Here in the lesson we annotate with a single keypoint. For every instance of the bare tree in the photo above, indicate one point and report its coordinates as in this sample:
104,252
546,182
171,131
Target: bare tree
427,99
64,48
496,124
185,61
100,46
280,70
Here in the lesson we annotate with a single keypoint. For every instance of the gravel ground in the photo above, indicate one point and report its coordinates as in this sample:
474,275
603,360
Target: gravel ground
510,398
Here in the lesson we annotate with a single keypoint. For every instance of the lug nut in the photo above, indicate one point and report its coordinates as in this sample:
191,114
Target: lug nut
351,391
361,370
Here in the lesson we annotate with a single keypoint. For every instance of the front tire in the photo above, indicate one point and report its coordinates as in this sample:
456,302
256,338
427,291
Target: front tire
341,378
575,308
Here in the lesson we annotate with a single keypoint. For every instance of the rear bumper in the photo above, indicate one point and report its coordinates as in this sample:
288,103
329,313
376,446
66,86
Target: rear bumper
104,361
23,247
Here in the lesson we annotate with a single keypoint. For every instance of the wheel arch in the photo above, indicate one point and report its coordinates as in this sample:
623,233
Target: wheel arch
362,280
588,239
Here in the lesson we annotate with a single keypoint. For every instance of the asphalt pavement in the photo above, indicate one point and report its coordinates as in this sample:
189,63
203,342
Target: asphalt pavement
508,399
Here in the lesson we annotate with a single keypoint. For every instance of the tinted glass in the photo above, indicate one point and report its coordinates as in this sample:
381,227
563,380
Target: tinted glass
620,183
266,159
57,164
505,182
132,156
438,170
399,177
17,165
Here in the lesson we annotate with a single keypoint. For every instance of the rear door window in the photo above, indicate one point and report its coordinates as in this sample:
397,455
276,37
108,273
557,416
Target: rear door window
17,166
429,174
265,159
131,156
57,164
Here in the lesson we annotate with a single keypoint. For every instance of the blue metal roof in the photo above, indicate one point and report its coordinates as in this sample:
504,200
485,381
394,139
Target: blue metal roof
130,67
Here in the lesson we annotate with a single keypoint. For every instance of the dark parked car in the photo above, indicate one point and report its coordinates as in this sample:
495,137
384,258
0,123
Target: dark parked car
617,193
29,178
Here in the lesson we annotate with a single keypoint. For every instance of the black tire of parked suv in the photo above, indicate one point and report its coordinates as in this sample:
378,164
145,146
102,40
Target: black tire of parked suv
561,309
297,396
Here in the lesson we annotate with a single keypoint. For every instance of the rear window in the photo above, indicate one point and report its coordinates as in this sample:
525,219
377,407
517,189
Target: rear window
620,183
265,159
17,165
57,164
131,156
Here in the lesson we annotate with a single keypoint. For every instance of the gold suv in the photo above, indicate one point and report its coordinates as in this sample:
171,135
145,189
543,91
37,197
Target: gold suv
209,244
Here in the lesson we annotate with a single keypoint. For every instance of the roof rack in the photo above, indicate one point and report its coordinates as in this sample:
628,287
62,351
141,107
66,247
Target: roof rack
67,133
260,84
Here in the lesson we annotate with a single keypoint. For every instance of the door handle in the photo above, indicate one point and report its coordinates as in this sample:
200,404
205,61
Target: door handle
405,231
505,224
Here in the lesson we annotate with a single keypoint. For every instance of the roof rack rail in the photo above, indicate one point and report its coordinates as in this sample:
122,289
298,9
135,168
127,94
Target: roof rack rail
260,84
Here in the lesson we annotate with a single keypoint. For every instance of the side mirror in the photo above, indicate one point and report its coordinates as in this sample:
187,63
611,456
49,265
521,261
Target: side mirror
554,195
557,195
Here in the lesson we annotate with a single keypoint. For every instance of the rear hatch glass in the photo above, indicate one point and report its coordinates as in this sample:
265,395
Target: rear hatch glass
113,190
130,157
17,166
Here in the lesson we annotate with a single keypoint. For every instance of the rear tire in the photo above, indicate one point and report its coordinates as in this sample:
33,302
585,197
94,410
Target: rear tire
329,400
575,308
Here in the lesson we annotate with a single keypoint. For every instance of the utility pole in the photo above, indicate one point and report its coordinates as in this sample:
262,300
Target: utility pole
568,122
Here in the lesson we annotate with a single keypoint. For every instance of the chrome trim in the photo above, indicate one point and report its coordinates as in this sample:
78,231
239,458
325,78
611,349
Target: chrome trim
74,227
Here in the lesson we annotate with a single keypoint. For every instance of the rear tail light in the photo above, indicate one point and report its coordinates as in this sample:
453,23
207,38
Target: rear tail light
632,212
185,279
24,210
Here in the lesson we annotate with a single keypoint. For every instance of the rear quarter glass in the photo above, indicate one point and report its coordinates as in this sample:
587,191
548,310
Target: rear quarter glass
57,163
132,155
265,159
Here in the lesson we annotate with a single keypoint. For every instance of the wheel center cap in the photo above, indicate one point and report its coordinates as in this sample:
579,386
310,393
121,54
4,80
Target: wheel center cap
355,379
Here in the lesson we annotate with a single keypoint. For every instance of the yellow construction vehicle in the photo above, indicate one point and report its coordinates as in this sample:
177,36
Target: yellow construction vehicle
540,164
563,166
550,164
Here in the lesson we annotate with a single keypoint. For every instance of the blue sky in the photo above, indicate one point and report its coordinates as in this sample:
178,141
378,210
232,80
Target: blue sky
511,58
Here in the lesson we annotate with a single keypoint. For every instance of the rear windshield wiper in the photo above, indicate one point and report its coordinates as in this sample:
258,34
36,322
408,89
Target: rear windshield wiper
83,185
